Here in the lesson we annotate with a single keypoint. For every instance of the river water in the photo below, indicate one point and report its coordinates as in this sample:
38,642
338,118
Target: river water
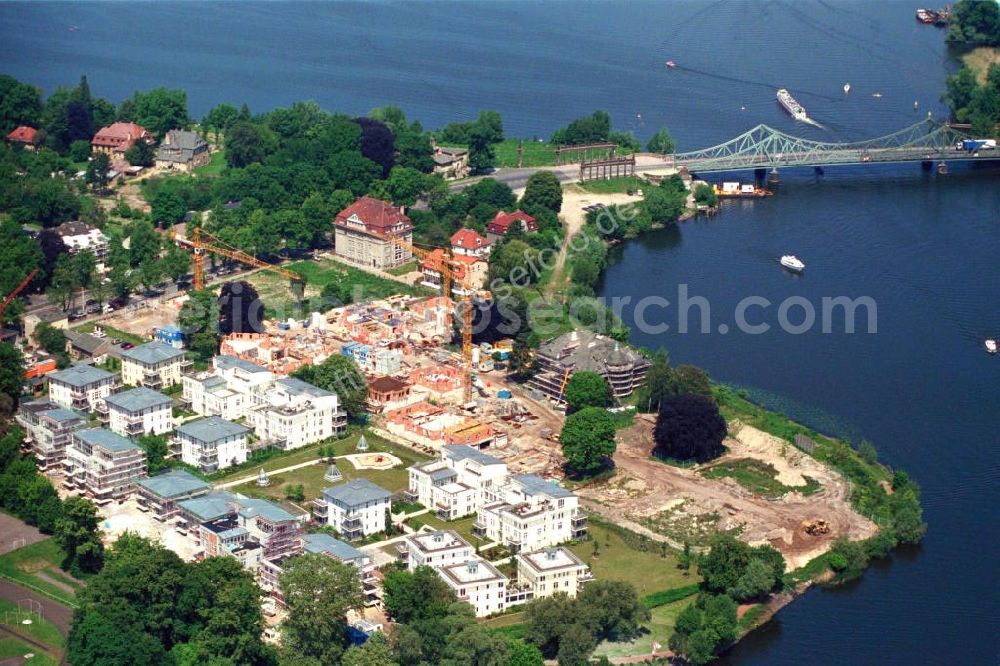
923,247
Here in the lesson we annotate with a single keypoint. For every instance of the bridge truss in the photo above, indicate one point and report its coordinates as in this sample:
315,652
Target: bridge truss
766,147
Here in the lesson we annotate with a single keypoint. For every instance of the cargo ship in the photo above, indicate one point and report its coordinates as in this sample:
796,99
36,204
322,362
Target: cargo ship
789,104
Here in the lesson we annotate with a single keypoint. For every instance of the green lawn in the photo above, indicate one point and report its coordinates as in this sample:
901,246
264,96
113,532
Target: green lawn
311,477
758,477
404,269
13,648
40,629
613,185
24,564
620,560
659,628
463,526
534,153
215,166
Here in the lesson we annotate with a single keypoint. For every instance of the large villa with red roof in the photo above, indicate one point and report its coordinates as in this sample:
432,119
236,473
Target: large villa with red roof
361,229
25,136
116,138
467,242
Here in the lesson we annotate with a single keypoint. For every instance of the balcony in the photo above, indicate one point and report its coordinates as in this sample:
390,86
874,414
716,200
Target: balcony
186,363
479,529
134,428
151,380
319,509
80,402
351,522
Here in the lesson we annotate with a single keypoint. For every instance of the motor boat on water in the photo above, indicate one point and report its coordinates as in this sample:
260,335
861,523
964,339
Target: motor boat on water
789,104
877,95
792,263
671,64
991,346
847,88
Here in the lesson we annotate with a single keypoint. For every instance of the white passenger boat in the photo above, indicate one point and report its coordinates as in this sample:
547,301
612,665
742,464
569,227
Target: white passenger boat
792,263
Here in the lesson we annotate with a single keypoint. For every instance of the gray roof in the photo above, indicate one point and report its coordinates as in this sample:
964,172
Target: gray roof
61,414
586,350
463,452
224,361
153,352
443,473
211,429
269,510
299,387
208,507
174,483
535,485
79,376
85,341
137,399
356,492
327,545
180,146
105,438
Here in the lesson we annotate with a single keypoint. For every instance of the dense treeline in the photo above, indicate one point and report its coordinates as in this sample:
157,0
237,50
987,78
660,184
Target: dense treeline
970,102
975,23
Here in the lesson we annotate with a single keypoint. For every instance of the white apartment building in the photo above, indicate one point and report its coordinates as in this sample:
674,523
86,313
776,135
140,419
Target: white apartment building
437,549
355,508
291,413
225,390
533,515
324,544
139,411
459,482
213,443
48,428
102,465
479,583
81,236
546,572
81,387
154,365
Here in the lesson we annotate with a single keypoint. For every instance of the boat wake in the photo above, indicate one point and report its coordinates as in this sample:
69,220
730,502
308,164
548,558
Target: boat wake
812,122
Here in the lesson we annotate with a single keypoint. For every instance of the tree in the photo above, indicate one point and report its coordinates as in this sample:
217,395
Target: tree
613,607
689,427
661,142
319,591
342,376
20,104
199,321
475,645
406,185
240,309
50,338
105,637
547,620
481,135
520,653
79,151
975,22
755,582
220,118
373,652
156,450
245,144
703,628
587,389
705,194
418,595
52,245
588,129
350,170
76,534
176,262
576,645
141,154
377,143
160,110
515,262
959,90
626,141
664,203
98,171
588,439
692,380
542,190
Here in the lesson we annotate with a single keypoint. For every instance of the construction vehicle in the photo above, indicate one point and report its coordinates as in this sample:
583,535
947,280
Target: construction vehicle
451,272
816,527
17,290
202,242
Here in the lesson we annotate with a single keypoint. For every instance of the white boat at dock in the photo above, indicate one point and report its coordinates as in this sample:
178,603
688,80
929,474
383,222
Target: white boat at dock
792,263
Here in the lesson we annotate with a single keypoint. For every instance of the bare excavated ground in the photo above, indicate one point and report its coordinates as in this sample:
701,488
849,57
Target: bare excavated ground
681,504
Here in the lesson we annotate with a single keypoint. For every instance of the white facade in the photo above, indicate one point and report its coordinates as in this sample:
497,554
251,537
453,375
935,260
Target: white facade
81,387
138,412
102,465
79,236
459,483
437,549
208,395
479,583
213,443
292,413
155,365
533,515
546,572
356,508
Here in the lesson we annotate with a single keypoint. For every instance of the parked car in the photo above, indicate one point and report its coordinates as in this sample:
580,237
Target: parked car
107,308
116,341
75,314
93,309
116,303
127,345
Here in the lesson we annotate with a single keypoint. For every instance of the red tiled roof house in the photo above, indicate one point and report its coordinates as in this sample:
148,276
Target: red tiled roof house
361,229
26,136
468,242
116,138
502,223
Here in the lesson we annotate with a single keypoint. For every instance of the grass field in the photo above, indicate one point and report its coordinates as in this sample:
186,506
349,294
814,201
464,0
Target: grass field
979,60
534,153
11,648
404,269
215,166
659,628
463,526
757,477
612,185
619,560
40,629
25,564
